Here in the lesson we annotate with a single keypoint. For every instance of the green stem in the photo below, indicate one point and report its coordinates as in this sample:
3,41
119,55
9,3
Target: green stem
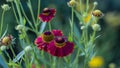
31,11
29,22
18,10
72,23
49,26
14,12
87,5
54,62
8,55
2,23
39,1
13,52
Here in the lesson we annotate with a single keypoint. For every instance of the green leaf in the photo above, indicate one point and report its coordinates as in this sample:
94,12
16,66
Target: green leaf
5,32
43,25
22,36
20,55
24,21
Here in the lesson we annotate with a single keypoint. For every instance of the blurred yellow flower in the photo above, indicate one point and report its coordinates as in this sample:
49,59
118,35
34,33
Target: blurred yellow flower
96,62
112,65
112,19
87,18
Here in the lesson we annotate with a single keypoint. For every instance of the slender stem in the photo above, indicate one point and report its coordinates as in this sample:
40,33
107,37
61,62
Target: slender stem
14,12
87,5
13,52
54,62
31,11
8,55
72,26
49,26
76,58
2,23
18,10
39,1
29,22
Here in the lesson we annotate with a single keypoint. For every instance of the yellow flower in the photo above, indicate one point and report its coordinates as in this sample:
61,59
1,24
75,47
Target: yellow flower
87,18
96,62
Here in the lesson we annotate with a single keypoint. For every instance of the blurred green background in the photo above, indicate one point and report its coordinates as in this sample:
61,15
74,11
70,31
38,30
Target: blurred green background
107,45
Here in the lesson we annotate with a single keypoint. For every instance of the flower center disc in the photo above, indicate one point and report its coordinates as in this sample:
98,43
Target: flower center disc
46,11
47,36
59,42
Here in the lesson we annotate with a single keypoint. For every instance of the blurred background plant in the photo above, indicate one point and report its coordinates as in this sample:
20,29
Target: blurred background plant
107,44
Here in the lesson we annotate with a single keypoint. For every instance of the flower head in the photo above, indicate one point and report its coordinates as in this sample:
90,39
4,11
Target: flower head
60,47
47,14
43,40
6,40
5,7
97,13
96,62
72,3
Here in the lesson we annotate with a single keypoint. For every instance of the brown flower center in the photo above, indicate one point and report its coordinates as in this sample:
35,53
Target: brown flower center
46,11
47,36
60,42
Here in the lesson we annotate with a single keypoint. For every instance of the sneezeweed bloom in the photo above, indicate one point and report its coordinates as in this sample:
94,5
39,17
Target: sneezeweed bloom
97,13
60,47
72,3
43,40
6,40
96,62
47,14
5,7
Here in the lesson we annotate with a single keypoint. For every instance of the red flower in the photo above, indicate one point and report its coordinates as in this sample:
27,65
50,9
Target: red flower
60,47
57,32
47,14
43,41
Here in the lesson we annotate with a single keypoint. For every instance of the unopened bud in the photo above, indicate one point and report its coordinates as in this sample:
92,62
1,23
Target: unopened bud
96,27
72,3
112,65
3,48
19,27
97,13
95,3
28,48
5,7
82,27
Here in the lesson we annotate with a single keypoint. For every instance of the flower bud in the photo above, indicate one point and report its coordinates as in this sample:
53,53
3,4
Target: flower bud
95,3
112,65
28,48
19,27
82,27
97,13
3,48
72,3
96,27
5,7
6,40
